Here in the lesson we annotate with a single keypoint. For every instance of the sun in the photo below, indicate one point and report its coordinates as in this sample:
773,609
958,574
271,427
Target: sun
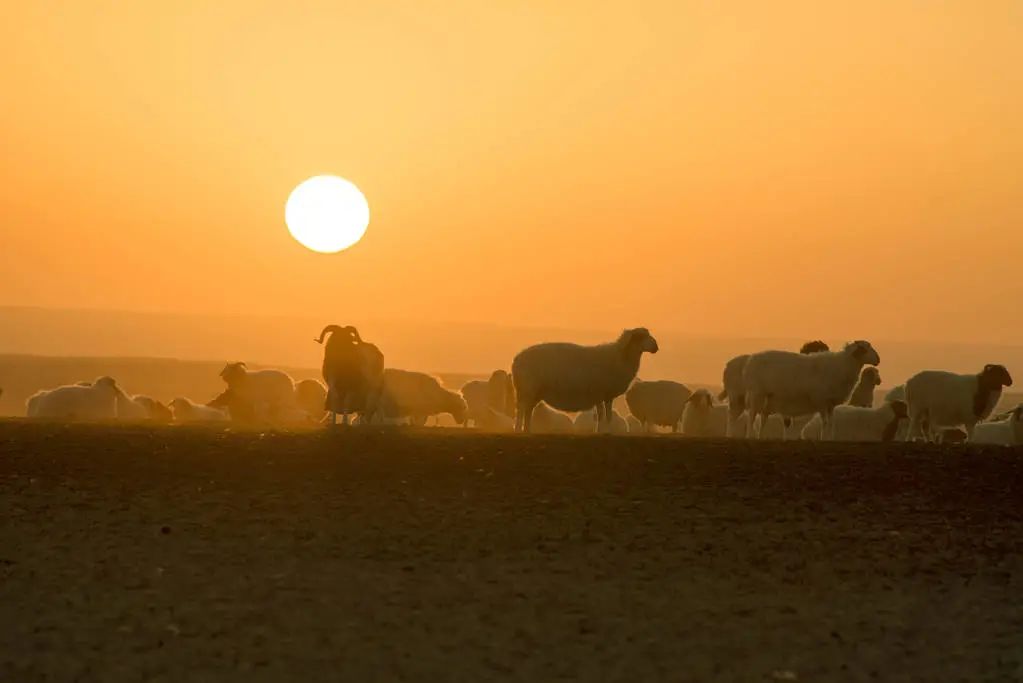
326,213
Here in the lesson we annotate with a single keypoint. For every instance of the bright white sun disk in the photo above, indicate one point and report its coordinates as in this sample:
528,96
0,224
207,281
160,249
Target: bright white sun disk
327,214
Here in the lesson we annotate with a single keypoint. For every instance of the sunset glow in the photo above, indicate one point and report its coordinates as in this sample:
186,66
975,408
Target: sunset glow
327,214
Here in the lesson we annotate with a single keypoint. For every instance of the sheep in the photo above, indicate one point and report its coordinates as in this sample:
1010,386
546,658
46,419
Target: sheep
859,423
417,396
311,396
794,384
95,401
658,403
240,409
586,422
1004,432
187,411
702,418
735,391
863,393
268,391
635,426
352,370
484,397
141,407
494,421
572,377
945,399
547,420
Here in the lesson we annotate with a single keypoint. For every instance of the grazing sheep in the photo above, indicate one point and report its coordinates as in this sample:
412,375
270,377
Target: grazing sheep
659,403
635,426
1004,432
95,401
142,408
858,423
352,369
702,418
417,396
268,391
187,411
311,396
939,399
863,393
586,422
735,390
547,420
795,384
573,377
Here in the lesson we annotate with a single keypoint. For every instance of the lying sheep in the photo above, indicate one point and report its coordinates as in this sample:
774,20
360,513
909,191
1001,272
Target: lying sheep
95,401
658,403
858,423
268,391
703,418
417,396
863,393
141,407
1004,432
311,397
547,420
586,422
573,378
187,411
939,399
735,389
794,384
484,397
240,409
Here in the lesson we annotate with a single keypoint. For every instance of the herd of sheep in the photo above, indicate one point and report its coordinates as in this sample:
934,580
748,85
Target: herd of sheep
815,393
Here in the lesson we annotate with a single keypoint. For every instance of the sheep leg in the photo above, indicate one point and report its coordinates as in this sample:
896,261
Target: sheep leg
524,414
969,430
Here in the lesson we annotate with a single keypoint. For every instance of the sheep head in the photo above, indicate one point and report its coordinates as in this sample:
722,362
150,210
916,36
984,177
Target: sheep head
995,376
870,375
234,372
457,408
863,352
223,400
900,409
353,334
637,341
108,384
701,399
816,346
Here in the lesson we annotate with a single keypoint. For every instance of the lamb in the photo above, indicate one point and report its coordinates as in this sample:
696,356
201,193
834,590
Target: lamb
863,393
859,423
546,420
702,417
495,395
658,403
735,390
187,411
95,401
141,407
1005,432
417,396
794,384
586,422
311,396
944,399
571,377
269,391
352,370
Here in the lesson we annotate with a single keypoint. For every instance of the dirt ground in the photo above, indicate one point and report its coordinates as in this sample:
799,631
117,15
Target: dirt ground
173,554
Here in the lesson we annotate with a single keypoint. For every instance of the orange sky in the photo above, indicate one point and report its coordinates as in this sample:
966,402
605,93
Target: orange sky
804,169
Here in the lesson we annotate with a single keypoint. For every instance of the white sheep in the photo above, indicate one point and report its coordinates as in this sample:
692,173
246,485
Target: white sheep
703,418
268,391
586,422
547,420
794,384
858,423
658,403
417,396
141,407
571,377
1005,432
311,397
95,401
735,390
939,399
186,411
863,393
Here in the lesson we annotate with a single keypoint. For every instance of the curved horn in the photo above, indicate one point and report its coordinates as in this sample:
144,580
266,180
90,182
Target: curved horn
329,329
354,332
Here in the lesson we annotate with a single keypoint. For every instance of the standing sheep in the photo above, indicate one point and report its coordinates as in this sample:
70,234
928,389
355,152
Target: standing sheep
95,401
573,378
485,397
702,418
659,403
939,399
352,371
794,384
